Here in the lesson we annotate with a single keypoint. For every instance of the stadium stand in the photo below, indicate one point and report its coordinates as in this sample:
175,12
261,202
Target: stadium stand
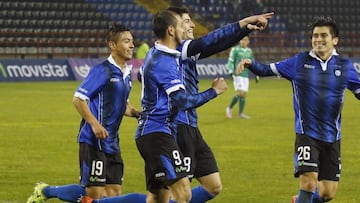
76,28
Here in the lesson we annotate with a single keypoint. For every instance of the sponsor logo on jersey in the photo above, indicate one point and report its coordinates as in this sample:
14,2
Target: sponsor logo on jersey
114,80
308,66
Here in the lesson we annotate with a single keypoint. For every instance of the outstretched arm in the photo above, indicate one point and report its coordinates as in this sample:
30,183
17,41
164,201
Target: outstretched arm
227,36
256,68
184,101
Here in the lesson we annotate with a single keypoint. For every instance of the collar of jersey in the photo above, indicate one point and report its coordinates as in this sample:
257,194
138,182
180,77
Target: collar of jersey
167,49
312,54
323,63
127,66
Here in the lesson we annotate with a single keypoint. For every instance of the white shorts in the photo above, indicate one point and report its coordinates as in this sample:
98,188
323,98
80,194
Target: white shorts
241,83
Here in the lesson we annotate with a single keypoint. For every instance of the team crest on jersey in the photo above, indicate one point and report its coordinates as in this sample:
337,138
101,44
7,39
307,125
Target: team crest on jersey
337,73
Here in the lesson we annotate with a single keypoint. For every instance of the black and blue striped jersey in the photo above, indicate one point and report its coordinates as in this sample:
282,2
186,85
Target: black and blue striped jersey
318,91
107,89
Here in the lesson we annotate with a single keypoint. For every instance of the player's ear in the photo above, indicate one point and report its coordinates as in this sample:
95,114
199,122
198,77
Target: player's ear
112,44
335,41
171,30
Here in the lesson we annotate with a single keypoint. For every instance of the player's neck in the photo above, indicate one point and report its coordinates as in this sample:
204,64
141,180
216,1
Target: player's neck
168,42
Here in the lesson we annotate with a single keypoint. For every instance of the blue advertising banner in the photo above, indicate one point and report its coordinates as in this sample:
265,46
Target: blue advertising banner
211,68
81,67
77,69
35,70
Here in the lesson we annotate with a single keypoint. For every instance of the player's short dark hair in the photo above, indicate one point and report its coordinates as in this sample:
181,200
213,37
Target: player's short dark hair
326,21
179,10
114,32
161,21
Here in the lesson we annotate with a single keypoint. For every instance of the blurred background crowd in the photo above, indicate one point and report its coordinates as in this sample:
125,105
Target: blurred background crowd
76,28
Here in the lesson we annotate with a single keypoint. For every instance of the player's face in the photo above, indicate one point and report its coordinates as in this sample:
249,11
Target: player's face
124,46
244,42
179,30
323,42
188,26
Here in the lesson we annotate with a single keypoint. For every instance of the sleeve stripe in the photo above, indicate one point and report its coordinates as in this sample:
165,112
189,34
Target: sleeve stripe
274,70
184,55
81,96
174,88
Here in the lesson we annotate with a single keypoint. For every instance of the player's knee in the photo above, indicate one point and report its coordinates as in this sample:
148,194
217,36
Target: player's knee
213,189
326,197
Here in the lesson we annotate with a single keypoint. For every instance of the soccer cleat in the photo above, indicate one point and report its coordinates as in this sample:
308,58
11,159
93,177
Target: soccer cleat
244,116
38,196
294,198
228,113
86,199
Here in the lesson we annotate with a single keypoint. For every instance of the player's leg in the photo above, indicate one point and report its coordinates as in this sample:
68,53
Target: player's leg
308,182
164,167
242,90
92,171
329,174
114,174
206,171
180,190
67,193
306,160
235,99
127,198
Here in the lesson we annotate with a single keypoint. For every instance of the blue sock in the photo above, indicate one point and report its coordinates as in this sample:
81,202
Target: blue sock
127,198
304,197
317,198
200,195
68,193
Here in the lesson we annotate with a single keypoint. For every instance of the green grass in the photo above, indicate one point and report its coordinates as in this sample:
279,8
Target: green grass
39,125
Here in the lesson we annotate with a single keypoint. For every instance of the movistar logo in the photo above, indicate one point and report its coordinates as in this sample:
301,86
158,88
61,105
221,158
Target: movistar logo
3,71
180,169
96,179
82,70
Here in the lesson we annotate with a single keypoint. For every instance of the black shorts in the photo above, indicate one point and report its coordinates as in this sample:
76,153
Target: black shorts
312,155
163,160
198,157
98,168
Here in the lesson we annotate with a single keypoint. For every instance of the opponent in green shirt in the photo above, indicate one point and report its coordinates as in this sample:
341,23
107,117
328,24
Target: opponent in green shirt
241,81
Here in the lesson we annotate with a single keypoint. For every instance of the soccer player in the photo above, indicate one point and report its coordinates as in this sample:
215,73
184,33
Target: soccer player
188,136
163,95
198,157
241,80
102,100
319,79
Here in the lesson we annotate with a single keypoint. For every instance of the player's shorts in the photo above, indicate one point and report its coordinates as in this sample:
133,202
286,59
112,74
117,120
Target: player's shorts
198,157
241,83
312,155
163,160
98,168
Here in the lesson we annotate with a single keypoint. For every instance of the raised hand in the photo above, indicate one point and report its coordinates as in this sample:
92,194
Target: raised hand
219,85
242,65
256,22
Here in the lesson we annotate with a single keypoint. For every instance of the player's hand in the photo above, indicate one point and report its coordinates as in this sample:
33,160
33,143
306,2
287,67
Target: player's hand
99,131
257,22
219,85
242,65
135,113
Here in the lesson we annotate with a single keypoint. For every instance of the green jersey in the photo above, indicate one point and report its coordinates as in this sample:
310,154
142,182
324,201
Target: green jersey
238,53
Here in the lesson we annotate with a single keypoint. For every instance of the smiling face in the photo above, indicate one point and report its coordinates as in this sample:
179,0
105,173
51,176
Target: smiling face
323,41
188,26
123,47
179,30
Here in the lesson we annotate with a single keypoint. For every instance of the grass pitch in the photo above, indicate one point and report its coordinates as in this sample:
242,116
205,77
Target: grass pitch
39,125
